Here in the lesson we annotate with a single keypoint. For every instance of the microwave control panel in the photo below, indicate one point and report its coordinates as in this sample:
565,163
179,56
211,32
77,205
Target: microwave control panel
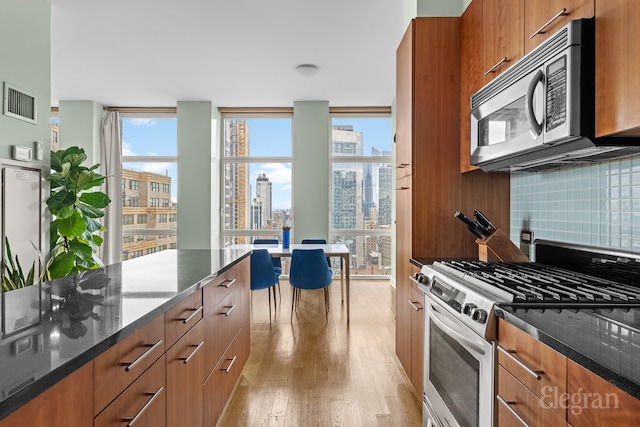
556,93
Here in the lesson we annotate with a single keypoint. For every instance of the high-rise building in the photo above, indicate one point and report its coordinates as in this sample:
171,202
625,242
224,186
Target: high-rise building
236,192
385,188
264,198
146,204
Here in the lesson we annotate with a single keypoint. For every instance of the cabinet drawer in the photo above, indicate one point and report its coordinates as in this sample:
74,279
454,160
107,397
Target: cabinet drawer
540,368
515,400
220,382
222,324
181,317
144,401
219,287
119,366
186,371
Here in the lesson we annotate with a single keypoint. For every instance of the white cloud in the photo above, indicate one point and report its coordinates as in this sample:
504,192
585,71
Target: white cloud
126,149
278,173
143,122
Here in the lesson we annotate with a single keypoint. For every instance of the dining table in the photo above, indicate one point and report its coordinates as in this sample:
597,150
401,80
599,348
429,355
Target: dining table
331,250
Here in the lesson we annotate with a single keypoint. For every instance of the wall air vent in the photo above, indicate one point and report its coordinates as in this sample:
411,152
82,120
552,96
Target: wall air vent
19,104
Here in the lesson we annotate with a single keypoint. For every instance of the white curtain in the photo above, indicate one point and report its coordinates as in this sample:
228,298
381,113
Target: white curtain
111,166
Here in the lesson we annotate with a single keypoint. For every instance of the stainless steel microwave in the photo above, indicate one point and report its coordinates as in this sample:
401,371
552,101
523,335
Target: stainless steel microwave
540,112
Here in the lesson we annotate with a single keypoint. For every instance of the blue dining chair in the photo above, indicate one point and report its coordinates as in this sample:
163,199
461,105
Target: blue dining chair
316,242
277,263
263,275
309,270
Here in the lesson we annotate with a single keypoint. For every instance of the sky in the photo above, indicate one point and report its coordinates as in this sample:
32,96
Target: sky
268,138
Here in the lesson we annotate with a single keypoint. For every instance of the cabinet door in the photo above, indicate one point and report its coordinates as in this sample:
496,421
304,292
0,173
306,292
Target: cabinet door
596,402
404,104
545,17
471,77
68,403
417,341
403,285
221,324
502,35
186,370
182,316
617,62
142,404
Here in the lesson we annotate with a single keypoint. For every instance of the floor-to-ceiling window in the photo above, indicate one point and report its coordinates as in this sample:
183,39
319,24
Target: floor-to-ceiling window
149,187
256,167
361,188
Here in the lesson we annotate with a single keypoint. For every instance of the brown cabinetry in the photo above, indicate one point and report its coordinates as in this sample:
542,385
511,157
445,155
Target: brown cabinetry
69,403
502,34
182,317
143,403
545,17
431,189
592,401
617,62
417,342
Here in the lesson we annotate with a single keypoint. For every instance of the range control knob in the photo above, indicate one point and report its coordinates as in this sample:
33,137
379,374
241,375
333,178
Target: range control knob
422,278
479,315
468,308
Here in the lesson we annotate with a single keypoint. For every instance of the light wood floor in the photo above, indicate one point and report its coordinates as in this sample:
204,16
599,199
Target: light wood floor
313,372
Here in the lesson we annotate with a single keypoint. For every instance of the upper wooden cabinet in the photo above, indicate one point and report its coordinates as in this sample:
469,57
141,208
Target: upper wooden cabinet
617,63
471,74
545,17
502,33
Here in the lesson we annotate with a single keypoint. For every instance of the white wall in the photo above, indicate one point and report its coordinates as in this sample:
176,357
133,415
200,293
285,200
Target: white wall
25,62
80,126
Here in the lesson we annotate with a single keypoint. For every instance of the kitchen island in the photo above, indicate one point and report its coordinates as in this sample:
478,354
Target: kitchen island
52,330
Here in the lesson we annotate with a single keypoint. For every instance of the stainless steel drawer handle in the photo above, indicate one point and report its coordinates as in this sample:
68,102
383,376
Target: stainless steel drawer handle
403,188
228,312
130,366
228,283
535,373
546,24
154,396
508,407
228,368
499,63
194,314
403,165
415,306
197,347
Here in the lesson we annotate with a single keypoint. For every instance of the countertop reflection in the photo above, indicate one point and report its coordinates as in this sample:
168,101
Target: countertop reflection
52,329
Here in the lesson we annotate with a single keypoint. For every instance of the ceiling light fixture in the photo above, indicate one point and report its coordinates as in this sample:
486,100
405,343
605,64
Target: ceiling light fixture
307,70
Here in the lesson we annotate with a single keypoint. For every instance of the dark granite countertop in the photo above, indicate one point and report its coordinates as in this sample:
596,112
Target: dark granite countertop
604,341
52,329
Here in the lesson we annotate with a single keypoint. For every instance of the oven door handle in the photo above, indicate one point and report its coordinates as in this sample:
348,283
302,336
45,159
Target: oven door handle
468,342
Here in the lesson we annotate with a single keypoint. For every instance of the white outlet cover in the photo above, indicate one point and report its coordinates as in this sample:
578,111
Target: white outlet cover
21,153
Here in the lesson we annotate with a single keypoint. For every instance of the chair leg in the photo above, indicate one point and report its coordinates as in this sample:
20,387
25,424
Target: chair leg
293,299
275,302
274,298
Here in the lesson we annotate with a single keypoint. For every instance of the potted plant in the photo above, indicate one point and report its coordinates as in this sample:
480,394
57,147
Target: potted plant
76,207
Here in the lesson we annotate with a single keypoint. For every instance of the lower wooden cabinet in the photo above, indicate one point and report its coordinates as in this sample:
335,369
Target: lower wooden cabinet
186,370
142,404
69,403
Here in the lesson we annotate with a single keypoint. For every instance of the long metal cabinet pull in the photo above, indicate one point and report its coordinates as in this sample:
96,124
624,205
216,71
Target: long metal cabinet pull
130,366
535,373
507,405
403,165
403,188
197,347
492,69
233,307
228,368
546,24
195,312
154,396
227,283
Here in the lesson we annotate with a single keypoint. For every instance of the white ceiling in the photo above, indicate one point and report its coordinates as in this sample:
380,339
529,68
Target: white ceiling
235,53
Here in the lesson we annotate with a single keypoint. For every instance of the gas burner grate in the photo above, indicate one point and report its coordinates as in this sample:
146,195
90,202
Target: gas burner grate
535,284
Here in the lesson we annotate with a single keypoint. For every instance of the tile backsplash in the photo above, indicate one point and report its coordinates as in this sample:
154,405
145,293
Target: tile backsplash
596,204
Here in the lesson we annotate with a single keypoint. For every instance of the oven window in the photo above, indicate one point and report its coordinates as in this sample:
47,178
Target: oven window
455,374
505,124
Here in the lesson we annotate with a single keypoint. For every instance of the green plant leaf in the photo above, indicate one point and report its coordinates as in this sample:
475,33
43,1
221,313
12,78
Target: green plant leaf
60,199
89,211
93,225
81,249
66,168
62,265
96,181
56,179
72,226
79,178
97,199
74,155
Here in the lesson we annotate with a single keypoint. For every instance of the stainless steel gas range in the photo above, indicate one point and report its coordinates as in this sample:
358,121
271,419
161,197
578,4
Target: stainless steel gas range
460,323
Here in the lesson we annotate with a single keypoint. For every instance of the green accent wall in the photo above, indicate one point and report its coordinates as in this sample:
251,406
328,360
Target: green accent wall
198,175
311,174
80,126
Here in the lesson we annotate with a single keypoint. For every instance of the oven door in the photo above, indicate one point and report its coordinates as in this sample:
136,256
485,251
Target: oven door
458,370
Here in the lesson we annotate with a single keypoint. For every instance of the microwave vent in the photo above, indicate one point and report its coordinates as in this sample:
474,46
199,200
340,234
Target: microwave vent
19,104
524,66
